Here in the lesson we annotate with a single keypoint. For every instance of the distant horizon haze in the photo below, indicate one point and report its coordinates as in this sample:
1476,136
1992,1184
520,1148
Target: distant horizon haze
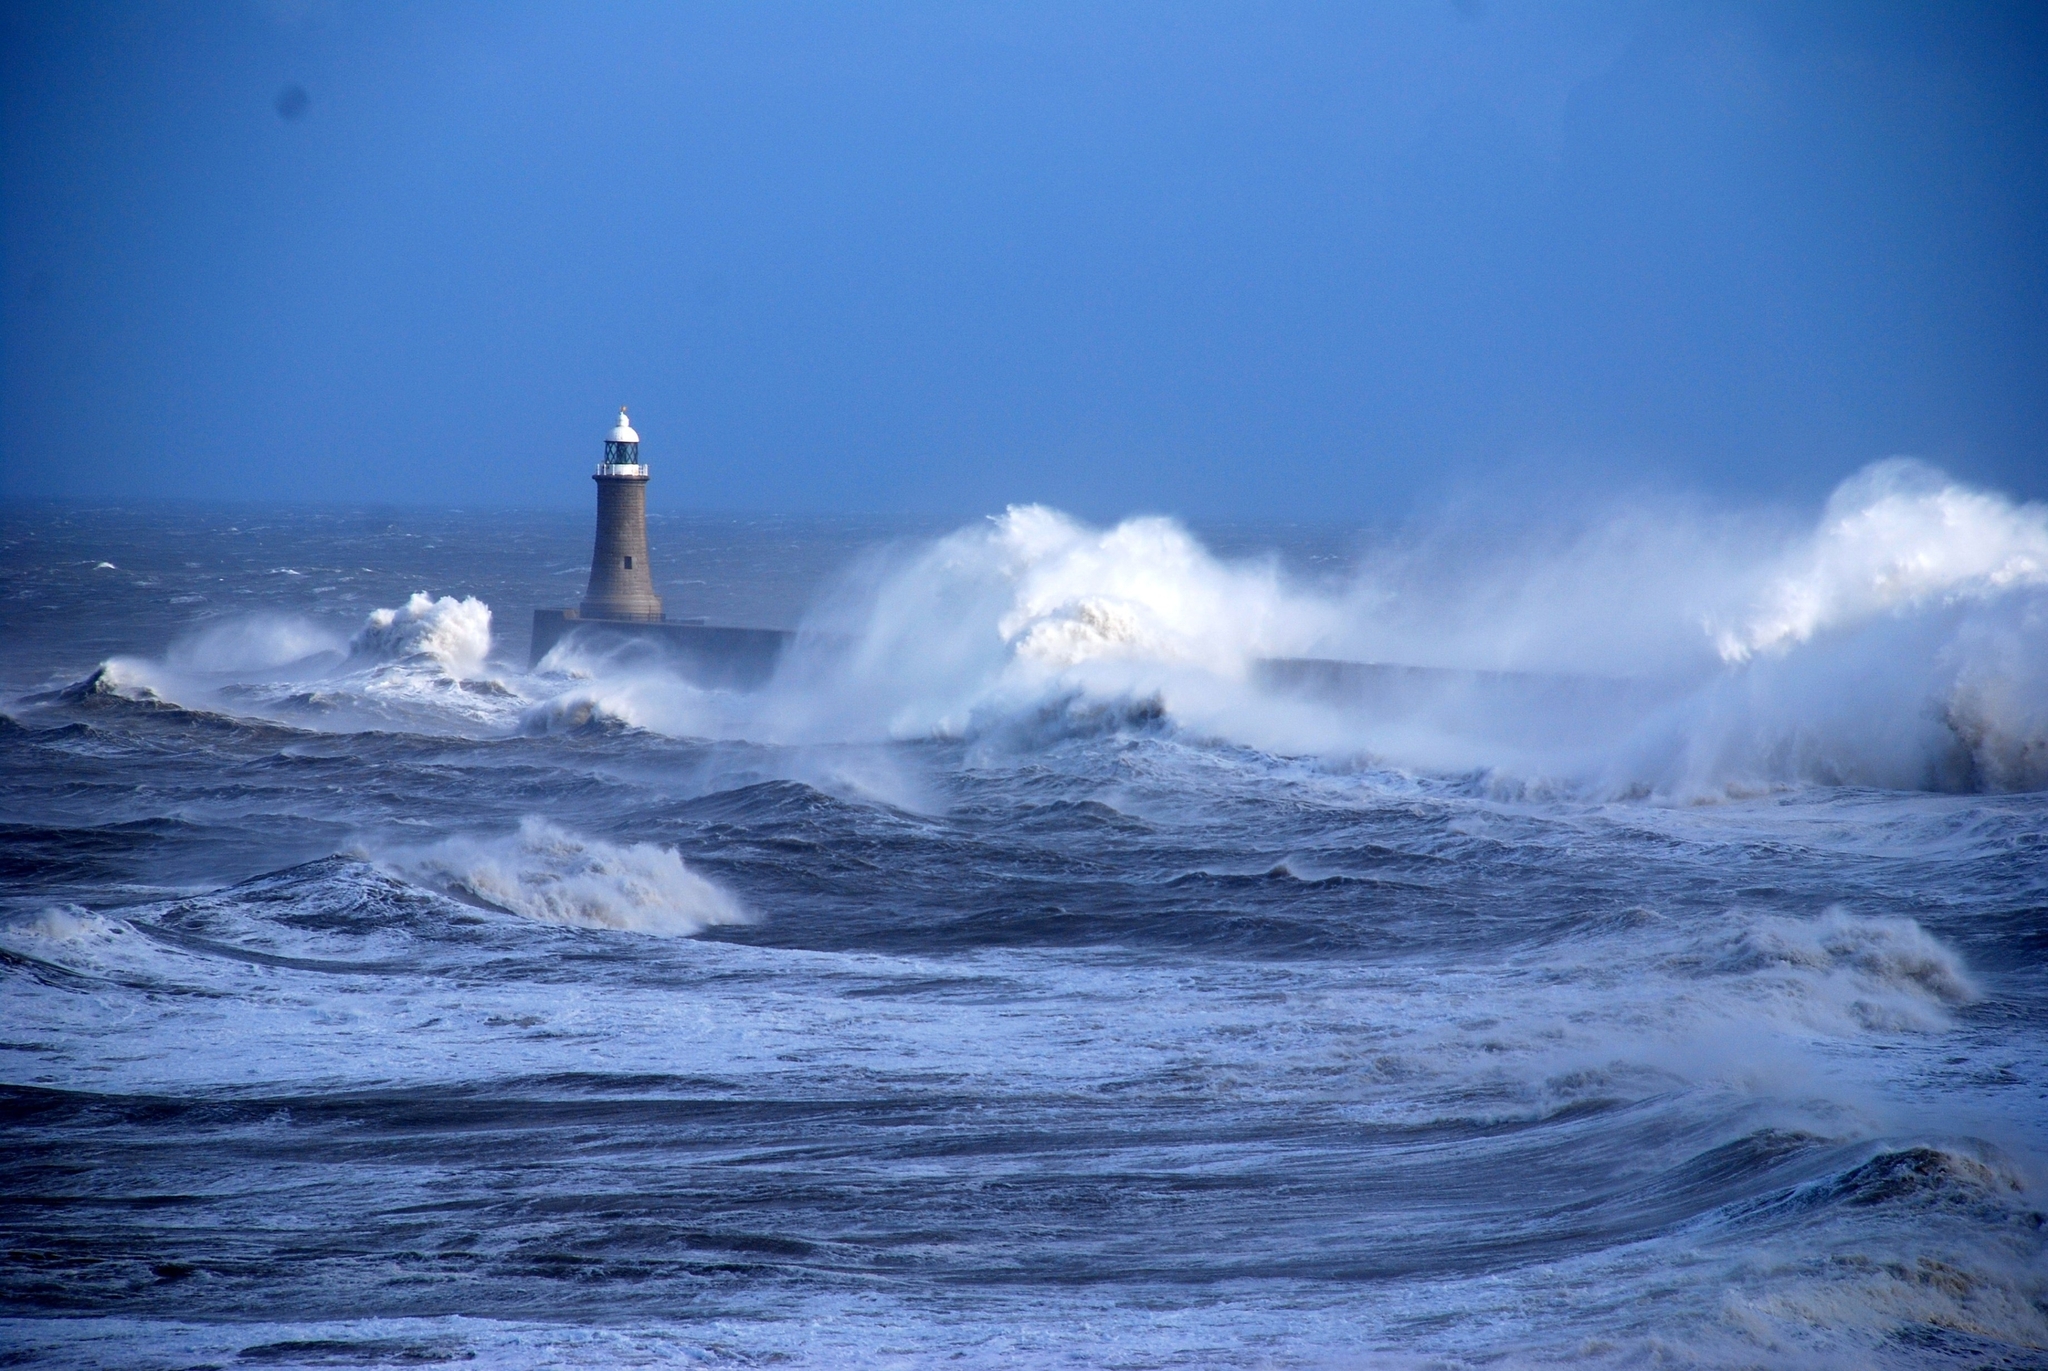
1296,262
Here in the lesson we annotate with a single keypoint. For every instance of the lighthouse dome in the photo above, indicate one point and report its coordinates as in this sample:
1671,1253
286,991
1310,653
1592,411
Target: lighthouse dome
623,433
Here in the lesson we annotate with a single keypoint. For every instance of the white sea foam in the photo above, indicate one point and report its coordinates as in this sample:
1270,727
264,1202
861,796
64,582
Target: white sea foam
455,633
421,665
1902,641
68,924
81,940
127,678
1896,536
574,711
1846,972
1733,1004
549,874
1026,608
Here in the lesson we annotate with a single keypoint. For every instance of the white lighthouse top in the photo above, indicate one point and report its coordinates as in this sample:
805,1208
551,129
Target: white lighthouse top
622,451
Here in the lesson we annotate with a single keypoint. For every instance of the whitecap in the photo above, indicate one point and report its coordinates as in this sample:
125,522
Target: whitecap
549,874
455,633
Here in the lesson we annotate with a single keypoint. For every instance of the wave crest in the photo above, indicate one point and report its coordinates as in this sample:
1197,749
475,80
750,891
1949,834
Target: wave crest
1897,535
1875,971
455,633
1901,641
549,874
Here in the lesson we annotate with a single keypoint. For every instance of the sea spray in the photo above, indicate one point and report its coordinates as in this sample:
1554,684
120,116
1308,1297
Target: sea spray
455,633
247,643
1105,1038
1898,642
546,873
1025,608
1897,536
419,666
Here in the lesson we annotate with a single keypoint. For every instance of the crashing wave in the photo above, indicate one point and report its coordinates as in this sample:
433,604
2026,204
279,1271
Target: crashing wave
1864,971
576,712
549,874
68,923
1901,642
118,680
1896,536
455,633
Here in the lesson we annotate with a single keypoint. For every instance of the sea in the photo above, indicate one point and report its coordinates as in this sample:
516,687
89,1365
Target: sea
1615,943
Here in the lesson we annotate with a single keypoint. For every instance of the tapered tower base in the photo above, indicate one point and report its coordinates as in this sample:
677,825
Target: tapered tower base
621,581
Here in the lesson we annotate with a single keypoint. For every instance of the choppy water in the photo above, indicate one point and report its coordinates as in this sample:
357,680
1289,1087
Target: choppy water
1015,982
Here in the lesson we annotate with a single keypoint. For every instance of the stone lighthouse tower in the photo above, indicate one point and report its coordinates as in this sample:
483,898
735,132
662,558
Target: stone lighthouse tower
620,586
621,608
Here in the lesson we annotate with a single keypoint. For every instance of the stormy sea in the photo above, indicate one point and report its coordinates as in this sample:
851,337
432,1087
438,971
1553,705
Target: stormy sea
1619,941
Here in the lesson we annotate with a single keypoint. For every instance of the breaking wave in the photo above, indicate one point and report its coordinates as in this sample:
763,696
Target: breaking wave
1895,537
68,924
422,665
1843,969
1900,642
549,874
455,633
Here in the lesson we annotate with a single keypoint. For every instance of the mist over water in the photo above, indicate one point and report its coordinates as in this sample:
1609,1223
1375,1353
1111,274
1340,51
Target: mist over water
1609,941
1902,641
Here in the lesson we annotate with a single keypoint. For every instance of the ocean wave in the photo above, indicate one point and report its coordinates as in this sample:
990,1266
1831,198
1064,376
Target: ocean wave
1901,642
1865,971
580,712
1927,1177
71,924
116,681
1897,535
420,666
455,633
1892,953
68,947
1851,1306
549,874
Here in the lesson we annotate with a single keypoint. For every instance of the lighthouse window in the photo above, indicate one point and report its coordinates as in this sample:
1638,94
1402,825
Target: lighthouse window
629,564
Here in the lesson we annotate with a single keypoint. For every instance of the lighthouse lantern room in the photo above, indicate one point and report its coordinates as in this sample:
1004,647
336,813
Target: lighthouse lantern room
621,450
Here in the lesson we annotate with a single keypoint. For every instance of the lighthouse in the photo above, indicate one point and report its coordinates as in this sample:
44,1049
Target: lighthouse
620,584
621,613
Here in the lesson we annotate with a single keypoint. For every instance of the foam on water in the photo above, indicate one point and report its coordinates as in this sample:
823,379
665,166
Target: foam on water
1897,536
1774,1260
423,666
69,925
454,633
1042,980
1900,642
547,873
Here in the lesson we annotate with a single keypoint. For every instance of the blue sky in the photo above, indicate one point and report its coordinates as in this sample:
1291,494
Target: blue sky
1257,260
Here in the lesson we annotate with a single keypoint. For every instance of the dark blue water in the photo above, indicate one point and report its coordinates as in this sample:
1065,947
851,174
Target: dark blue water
1016,981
